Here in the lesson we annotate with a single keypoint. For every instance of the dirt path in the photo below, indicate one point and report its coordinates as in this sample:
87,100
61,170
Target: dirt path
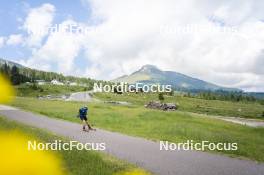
238,120
81,96
244,121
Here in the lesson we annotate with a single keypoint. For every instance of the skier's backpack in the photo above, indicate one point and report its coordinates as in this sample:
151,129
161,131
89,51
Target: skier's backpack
83,111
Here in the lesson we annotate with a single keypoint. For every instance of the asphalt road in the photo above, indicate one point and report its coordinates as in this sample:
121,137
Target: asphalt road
142,152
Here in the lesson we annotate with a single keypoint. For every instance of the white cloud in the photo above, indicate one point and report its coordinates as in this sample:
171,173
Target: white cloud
52,51
131,34
60,49
130,37
37,22
14,39
2,40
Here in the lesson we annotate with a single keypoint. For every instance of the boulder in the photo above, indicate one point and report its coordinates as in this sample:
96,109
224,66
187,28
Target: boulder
161,106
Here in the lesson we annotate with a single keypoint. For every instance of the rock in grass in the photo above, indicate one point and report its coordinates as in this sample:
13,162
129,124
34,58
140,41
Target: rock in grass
161,106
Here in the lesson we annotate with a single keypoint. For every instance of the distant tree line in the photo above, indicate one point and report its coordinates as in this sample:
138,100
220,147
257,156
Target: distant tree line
231,96
22,75
13,74
234,96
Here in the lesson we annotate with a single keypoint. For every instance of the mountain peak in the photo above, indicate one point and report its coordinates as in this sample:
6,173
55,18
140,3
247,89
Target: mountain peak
152,75
148,68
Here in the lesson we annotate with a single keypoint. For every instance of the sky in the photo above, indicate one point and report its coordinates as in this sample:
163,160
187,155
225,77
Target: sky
220,41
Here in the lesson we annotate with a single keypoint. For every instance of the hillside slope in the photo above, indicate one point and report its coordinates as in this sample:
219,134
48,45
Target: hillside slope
150,74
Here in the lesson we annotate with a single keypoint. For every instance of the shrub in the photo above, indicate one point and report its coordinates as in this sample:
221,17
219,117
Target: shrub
161,97
34,86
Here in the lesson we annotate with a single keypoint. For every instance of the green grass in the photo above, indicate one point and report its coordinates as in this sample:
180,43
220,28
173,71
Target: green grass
157,125
213,107
76,162
28,90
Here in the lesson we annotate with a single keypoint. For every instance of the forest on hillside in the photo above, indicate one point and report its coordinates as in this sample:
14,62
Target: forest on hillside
22,75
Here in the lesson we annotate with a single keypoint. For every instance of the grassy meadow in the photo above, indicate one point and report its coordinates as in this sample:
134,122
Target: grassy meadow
177,126
196,105
31,90
75,162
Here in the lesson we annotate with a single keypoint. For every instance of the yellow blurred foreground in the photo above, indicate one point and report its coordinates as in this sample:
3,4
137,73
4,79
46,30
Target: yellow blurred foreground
133,172
7,92
17,159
